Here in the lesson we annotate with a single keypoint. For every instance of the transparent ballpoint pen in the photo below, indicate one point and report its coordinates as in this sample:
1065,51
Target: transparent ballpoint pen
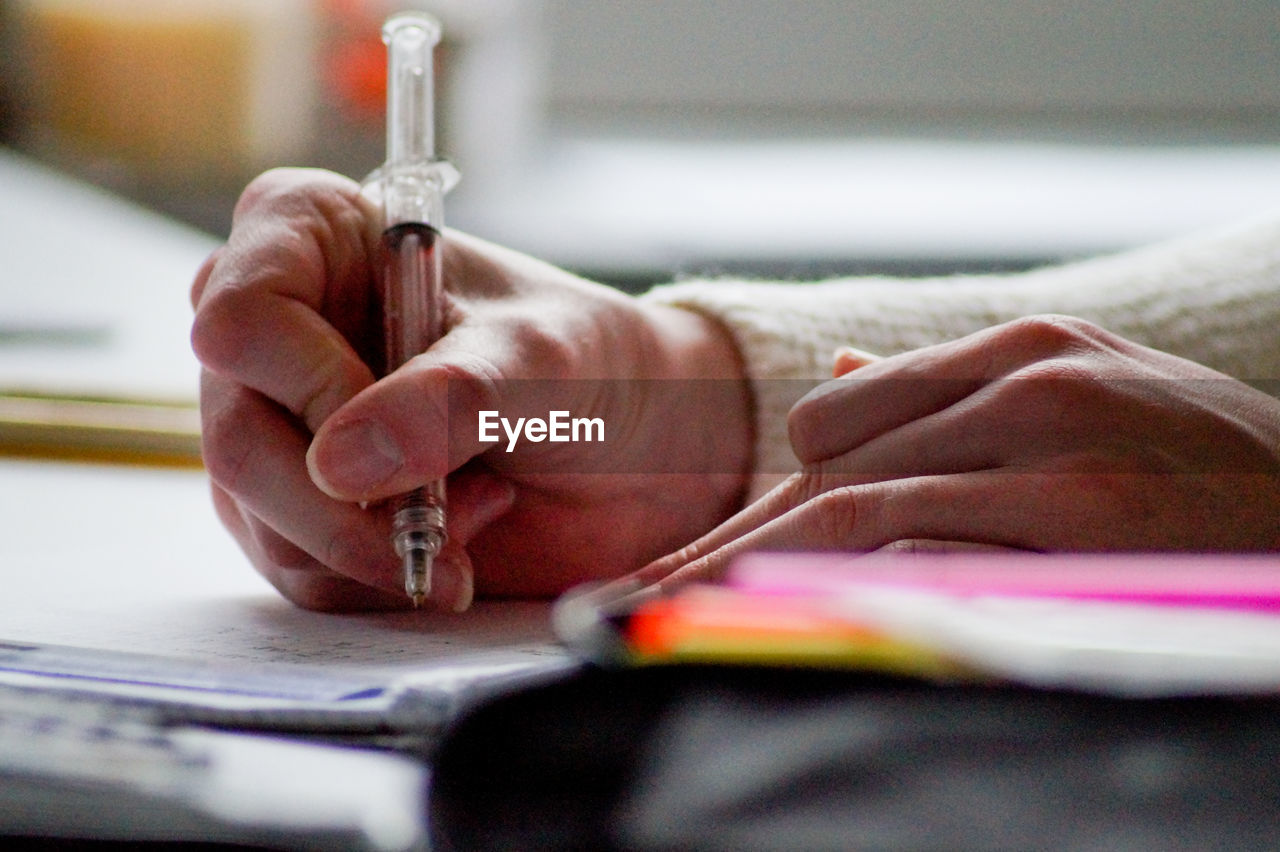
412,184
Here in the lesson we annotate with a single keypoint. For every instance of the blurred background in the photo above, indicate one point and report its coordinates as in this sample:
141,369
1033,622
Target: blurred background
637,141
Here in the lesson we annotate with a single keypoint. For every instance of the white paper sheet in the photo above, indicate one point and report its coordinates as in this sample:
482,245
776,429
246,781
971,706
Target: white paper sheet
133,559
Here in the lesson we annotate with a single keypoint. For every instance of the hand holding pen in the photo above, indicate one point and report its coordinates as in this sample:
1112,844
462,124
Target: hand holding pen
299,432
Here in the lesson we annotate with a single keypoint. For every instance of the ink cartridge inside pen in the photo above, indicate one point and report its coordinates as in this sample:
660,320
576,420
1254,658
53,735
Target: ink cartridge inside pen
412,184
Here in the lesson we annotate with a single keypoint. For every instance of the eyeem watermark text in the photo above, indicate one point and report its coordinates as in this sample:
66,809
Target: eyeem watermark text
557,427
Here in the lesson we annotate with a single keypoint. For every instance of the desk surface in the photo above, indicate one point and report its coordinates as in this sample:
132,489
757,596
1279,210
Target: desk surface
133,559
93,290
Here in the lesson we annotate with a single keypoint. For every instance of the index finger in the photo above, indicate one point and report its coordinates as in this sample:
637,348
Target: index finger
882,396
285,307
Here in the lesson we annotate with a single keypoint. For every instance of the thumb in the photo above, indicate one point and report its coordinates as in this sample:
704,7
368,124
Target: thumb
421,422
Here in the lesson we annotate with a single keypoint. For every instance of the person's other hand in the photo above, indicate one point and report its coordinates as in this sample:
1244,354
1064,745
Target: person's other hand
1044,434
300,436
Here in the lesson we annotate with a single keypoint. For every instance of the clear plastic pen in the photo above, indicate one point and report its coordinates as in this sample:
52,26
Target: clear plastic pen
412,184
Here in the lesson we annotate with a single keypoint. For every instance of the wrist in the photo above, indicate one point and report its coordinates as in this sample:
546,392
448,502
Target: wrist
696,346
719,417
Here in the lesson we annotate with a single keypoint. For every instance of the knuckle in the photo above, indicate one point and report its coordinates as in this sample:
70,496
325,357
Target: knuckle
908,547
835,515
346,552
303,221
269,189
217,332
545,350
228,447
202,275
303,194
282,553
325,384
472,384
322,591
1052,333
1049,389
471,371
808,425
304,589
814,481
1065,372
690,554
555,356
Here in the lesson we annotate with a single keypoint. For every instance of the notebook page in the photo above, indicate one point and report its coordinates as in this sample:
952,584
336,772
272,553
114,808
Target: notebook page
147,570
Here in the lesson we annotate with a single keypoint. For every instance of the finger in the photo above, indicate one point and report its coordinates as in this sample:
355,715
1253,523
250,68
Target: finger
881,396
202,275
476,500
999,425
254,451
284,306
421,422
395,435
972,433
293,572
992,509
929,546
779,500
308,584
794,491
228,512
1057,408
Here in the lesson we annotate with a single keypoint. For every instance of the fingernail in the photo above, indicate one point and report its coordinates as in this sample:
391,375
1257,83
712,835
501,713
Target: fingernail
847,359
354,458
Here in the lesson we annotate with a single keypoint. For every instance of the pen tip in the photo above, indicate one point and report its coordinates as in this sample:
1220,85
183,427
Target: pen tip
417,567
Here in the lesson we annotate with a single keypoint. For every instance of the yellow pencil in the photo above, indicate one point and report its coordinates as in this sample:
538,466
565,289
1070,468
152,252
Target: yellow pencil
127,431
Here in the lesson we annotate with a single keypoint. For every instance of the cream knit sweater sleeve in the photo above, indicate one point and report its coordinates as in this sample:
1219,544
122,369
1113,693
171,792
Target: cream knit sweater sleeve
1212,297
